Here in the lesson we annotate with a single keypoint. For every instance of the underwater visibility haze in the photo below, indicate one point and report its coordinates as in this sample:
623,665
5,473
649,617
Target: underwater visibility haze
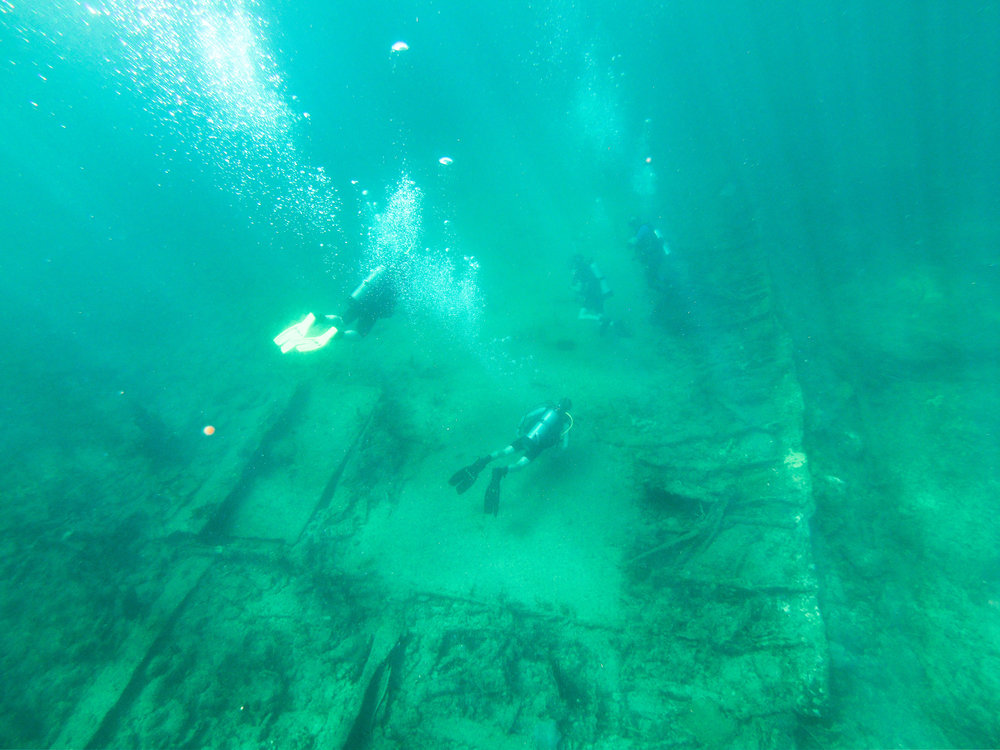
292,292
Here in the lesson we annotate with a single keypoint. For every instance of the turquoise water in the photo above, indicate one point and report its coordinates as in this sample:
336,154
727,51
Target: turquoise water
182,179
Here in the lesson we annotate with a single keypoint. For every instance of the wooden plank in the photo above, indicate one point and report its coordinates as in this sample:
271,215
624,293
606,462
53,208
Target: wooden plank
106,690
225,464
299,461
218,480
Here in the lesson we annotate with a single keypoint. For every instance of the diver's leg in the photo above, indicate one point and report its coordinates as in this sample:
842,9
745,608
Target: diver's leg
491,503
519,464
503,452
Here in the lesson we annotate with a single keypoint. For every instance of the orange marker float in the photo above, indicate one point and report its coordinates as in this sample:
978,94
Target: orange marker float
209,430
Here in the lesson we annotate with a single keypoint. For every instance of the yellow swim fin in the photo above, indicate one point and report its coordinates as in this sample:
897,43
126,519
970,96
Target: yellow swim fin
292,336
312,343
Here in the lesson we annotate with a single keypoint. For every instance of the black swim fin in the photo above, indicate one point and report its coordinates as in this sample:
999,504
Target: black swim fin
491,503
465,477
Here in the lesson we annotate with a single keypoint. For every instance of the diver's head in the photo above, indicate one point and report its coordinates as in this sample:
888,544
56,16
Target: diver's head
564,404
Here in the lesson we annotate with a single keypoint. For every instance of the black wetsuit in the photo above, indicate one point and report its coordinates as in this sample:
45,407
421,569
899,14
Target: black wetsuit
589,283
650,253
374,298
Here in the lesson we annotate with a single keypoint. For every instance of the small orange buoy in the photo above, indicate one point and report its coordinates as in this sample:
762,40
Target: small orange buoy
209,430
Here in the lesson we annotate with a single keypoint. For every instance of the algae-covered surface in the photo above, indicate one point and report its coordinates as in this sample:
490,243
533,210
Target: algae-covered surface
773,521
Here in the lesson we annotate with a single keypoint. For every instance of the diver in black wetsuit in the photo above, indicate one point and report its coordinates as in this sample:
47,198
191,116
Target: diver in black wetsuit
650,250
374,298
669,284
539,429
592,288
590,284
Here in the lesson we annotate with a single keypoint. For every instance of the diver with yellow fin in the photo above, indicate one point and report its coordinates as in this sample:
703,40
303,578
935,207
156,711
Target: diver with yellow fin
374,298
539,429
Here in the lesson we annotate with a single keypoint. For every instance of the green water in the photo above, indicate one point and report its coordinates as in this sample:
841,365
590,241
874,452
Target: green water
181,179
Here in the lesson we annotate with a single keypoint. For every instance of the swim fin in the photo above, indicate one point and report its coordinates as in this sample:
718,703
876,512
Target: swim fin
491,503
465,477
293,335
312,343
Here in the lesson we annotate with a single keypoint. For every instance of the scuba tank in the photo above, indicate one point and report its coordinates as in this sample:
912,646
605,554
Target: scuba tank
543,430
365,286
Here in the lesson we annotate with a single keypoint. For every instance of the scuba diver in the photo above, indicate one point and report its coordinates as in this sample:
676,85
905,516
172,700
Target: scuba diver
650,250
374,298
539,429
592,288
590,284
671,288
